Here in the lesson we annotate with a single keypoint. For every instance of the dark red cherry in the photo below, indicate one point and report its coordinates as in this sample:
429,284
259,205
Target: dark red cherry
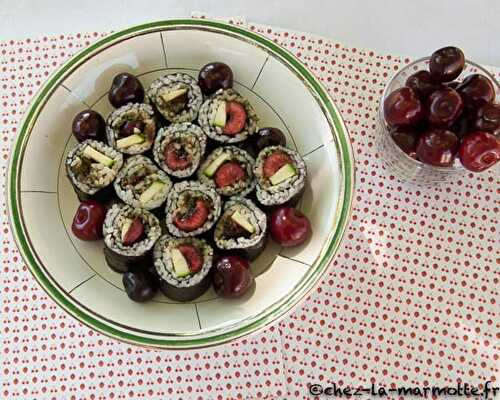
406,141
476,90
443,107
268,137
422,83
403,108
462,125
289,227
89,124
232,276
139,286
479,151
88,220
437,147
215,76
125,89
488,117
446,64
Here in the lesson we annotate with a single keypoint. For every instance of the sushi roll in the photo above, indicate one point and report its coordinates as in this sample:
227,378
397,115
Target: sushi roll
92,166
281,176
177,97
242,227
141,184
227,117
192,208
131,129
182,266
230,169
129,236
178,149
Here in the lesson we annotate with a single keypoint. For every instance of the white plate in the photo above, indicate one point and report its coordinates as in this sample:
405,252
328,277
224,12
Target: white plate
42,203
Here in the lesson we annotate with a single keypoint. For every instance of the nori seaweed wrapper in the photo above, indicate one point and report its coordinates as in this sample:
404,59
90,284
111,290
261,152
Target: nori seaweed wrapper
229,236
121,257
185,288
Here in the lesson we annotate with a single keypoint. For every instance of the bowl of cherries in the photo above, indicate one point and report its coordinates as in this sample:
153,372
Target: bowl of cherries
439,117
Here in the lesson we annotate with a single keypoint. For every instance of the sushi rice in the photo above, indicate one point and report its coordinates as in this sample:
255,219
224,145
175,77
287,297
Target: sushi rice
240,188
178,197
90,176
209,109
256,218
168,83
132,112
121,257
289,189
187,287
137,176
193,142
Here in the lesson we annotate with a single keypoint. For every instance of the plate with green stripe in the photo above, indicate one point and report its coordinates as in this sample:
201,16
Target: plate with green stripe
41,201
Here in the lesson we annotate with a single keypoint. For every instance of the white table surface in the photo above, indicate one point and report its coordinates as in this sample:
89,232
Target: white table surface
405,27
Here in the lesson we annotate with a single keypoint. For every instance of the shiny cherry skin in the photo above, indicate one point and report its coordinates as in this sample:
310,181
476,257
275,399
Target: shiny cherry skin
443,107
403,108
139,286
266,137
125,89
446,64
289,227
488,117
214,76
406,141
462,125
232,277
476,91
479,151
422,83
437,147
89,124
88,220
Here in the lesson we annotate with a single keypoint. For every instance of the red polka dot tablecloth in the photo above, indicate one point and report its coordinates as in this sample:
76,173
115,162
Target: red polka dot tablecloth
412,299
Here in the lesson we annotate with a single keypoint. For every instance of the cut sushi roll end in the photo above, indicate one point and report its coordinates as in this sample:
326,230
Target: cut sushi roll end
177,97
129,236
281,175
91,167
131,128
142,184
192,208
230,170
179,148
227,117
242,228
182,266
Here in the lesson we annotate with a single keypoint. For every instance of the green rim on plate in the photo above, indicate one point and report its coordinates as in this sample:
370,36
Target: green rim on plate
224,334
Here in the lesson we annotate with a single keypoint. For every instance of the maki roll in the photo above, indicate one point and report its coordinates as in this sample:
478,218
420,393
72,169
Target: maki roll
230,169
131,128
177,97
281,176
91,167
227,117
242,227
129,235
141,184
192,208
178,149
182,266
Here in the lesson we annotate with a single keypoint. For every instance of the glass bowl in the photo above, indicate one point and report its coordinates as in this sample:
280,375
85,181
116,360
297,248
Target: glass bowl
400,164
